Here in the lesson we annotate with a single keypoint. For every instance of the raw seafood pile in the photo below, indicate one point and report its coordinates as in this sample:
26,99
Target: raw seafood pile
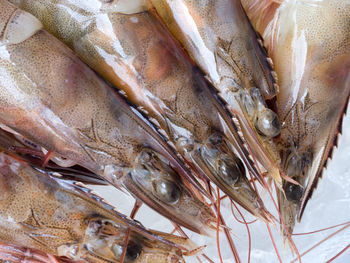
163,99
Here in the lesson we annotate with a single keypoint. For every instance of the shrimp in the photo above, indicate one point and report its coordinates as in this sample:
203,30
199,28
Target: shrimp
219,38
50,97
66,219
135,53
309,42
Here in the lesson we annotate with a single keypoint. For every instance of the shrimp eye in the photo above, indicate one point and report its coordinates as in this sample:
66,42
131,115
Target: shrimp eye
231,170
133,251
268,123
293,192
167,191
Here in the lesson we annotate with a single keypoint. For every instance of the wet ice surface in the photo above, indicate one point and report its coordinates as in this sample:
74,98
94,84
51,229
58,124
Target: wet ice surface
330,205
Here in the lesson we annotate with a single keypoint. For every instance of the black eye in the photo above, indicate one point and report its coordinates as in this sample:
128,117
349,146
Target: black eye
167,191
293,192
133,251
268,123
231,170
